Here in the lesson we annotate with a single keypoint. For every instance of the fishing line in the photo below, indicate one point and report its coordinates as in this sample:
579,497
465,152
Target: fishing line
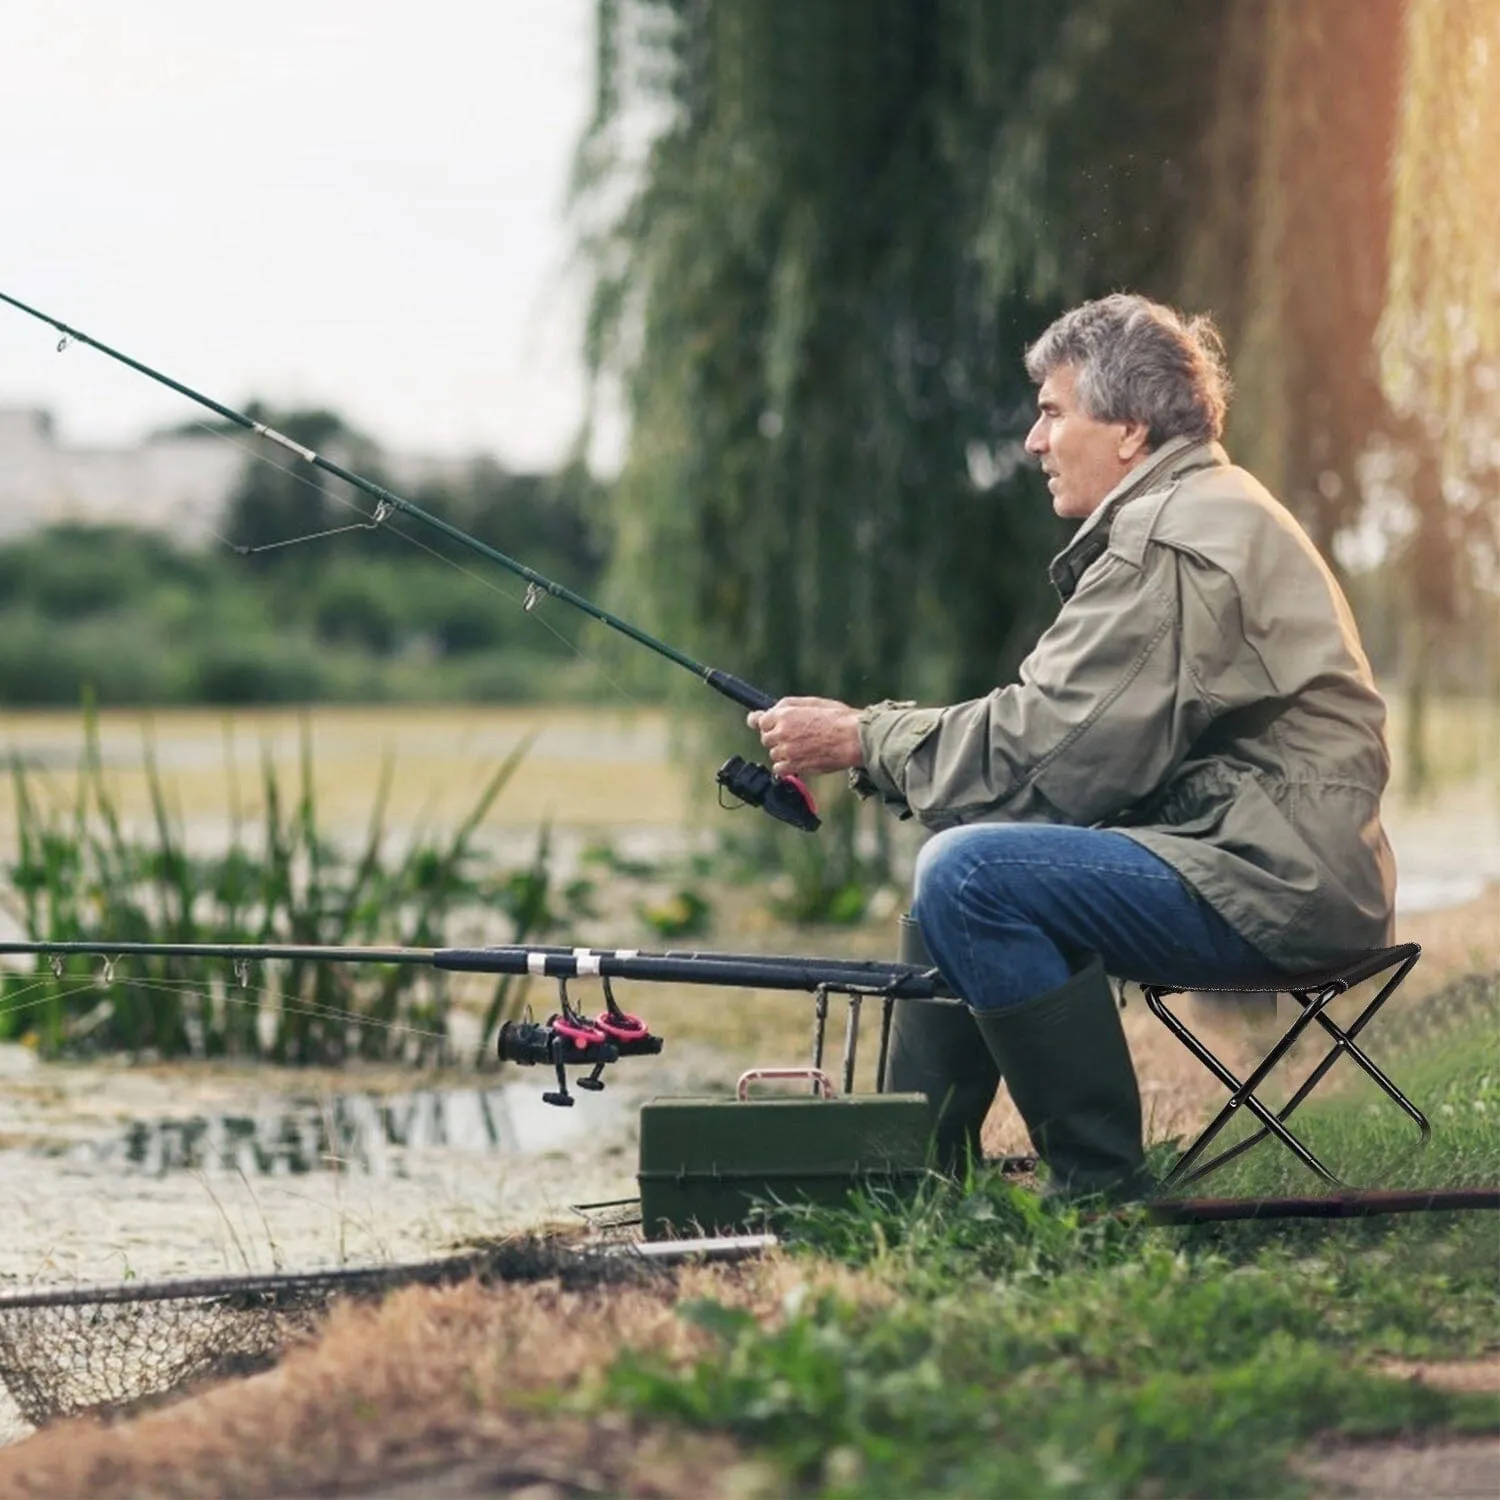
66,994
525,603
246,550
182,988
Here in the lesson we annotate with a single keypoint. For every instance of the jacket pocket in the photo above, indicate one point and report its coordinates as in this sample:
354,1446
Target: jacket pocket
1195,802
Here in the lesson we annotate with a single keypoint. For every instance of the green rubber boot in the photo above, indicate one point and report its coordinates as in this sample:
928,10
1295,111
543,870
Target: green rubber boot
1064,1056
937,1050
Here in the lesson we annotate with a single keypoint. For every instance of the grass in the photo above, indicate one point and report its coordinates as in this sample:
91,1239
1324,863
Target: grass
1031,1351
1457,747
1156,1373
587,767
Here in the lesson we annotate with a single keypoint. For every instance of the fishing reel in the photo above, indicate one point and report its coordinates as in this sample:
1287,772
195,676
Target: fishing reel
786,798
569,1036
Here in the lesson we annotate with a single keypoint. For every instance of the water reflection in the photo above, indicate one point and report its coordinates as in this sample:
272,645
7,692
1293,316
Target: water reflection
371,1133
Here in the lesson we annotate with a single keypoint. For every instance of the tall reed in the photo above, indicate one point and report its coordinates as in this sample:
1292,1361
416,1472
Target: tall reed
79,873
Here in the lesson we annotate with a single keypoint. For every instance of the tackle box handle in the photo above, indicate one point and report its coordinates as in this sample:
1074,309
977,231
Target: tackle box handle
821,1082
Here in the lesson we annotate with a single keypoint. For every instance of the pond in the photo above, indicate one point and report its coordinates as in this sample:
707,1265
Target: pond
384,1135
118,1173
112,1171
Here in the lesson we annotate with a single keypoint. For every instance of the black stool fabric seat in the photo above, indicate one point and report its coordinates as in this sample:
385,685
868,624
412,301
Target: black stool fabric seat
1313,992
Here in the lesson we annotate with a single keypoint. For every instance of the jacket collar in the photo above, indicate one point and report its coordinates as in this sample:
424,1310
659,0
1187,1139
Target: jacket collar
1165,466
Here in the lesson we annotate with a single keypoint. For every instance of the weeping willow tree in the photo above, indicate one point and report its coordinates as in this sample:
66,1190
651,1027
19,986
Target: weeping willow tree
1348,248
1440,339
822,234
815,283
1290,248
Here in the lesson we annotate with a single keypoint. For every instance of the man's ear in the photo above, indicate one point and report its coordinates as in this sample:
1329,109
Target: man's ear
1133,437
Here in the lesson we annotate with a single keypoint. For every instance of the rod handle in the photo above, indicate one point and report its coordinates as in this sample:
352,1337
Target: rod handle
743,693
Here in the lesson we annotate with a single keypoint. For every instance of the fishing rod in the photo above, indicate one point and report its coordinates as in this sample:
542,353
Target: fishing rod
785,798
675,966
569,1037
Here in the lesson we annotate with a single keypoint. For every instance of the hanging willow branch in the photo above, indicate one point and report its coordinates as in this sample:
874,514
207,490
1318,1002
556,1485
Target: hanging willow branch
815,284
1441,333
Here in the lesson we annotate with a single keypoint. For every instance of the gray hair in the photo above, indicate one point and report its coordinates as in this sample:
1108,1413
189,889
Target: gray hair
1139,361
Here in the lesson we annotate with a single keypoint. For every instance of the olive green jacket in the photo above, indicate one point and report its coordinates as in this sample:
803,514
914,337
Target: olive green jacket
1202,690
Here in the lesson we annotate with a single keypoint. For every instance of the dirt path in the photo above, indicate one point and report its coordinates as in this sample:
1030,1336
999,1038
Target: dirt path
1442,1468
1436,1467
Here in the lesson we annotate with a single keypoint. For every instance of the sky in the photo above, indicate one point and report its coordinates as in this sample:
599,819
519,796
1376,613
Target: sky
350,203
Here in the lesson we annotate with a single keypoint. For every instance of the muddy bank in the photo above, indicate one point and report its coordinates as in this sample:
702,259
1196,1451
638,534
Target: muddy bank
112,1172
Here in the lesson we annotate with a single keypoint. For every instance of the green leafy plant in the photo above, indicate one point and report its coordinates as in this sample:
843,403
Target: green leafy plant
80,873
687,912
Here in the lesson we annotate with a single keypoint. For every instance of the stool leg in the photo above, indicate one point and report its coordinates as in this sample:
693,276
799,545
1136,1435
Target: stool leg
1254,1082
1241,1093
1343,1043
1314,1009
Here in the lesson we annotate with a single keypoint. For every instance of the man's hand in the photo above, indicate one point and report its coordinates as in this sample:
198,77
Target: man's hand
808,736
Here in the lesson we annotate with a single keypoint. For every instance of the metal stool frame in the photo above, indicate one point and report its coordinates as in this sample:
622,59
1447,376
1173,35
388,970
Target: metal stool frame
1313,993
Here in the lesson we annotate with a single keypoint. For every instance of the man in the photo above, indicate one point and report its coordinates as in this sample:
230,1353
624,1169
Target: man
1183,786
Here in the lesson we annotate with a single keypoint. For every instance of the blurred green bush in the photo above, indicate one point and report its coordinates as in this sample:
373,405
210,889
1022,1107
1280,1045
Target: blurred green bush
133,618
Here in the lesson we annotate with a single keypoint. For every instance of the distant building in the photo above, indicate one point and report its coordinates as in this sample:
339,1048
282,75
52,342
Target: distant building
177,483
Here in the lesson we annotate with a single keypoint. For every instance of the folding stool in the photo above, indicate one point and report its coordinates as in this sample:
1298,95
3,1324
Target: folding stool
1312,992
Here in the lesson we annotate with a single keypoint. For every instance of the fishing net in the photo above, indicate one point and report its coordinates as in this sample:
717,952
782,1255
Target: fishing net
108,1349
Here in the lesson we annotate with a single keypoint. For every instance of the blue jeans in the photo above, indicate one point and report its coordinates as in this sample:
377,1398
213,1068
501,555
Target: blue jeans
1011,910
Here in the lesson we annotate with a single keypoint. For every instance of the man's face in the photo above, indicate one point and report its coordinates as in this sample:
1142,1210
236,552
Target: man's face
1083,459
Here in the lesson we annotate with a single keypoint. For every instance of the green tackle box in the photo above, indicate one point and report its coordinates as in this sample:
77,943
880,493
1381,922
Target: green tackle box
707,1163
